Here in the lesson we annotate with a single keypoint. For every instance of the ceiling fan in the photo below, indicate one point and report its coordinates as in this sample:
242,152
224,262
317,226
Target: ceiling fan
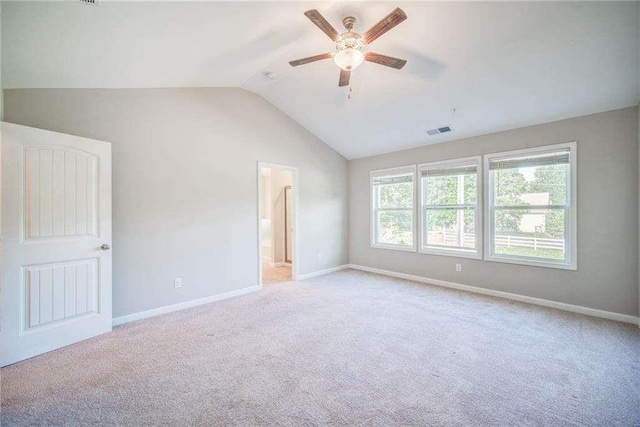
351,47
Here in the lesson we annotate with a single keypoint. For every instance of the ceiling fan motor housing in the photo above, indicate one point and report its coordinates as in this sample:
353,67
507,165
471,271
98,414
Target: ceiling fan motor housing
350,41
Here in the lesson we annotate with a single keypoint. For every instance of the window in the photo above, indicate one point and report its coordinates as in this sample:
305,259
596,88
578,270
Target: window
450,222
392,222
531,202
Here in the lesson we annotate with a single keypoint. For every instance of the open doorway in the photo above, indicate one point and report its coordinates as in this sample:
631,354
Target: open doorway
277,214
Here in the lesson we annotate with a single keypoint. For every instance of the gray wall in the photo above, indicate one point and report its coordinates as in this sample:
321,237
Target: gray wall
184,184
607,276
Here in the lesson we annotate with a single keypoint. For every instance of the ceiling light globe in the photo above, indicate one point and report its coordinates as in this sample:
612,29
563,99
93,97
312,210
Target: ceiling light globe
348,59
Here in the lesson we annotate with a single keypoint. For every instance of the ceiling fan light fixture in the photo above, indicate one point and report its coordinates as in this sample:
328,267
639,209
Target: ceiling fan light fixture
348,59
351,47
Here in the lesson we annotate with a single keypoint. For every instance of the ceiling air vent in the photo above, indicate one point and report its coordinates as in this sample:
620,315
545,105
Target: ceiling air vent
438,131
90,2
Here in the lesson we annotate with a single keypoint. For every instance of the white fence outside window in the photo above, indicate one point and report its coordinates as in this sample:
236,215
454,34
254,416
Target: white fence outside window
451,238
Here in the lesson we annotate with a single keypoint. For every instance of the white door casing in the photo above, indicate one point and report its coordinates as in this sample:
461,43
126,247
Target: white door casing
56,215
288,226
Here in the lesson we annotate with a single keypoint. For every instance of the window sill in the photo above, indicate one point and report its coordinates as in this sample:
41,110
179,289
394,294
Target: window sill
531,263
394,247
451,253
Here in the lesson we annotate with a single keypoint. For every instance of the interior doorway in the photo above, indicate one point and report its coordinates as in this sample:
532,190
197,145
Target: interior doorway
277,215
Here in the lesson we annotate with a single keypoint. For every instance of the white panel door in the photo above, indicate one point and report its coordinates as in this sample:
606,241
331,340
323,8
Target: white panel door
56,237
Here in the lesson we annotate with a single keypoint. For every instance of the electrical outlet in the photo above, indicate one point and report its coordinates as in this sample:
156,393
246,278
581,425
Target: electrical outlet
458,268
319,257
177,282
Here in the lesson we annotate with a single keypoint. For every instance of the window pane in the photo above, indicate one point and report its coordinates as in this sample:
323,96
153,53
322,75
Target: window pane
550,182
534,233
395,227
536,185
509,186
450,227
450,189
396,195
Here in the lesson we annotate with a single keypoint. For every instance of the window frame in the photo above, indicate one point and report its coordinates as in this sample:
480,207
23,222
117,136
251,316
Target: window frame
479,234
373,226
571,216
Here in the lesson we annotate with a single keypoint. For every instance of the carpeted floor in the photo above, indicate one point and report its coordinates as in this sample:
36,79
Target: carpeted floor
275,274
345,348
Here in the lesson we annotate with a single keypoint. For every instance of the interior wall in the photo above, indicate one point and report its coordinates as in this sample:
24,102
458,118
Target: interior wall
608,209
1,118
185,184
638,31
1,92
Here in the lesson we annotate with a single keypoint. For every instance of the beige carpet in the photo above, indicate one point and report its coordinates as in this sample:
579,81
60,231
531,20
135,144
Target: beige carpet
346,348
275,274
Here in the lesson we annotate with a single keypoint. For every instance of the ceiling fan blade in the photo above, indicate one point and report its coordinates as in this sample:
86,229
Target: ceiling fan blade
388,61
310,59
344,78
322,23
385,24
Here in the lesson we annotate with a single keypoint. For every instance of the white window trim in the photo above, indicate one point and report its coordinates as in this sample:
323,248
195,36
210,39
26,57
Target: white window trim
571,220
452,252
372,226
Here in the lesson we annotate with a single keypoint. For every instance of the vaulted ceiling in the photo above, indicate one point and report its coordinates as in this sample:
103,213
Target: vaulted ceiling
477,67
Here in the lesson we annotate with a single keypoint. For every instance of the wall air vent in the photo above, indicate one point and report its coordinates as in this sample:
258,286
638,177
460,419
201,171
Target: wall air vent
89,2
438,131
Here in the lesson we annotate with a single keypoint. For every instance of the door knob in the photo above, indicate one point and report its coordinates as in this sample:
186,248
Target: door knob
105,247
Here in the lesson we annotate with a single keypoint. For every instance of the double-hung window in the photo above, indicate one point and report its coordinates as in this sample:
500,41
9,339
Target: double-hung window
531,206
450,208
392,213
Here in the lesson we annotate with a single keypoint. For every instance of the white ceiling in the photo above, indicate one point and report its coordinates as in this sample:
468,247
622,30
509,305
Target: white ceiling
501,65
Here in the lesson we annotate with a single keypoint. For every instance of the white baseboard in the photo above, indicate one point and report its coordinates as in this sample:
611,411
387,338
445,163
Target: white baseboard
625,318
322,272
181,306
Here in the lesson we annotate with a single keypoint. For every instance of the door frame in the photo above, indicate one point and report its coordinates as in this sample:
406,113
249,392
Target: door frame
295,209
286,230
